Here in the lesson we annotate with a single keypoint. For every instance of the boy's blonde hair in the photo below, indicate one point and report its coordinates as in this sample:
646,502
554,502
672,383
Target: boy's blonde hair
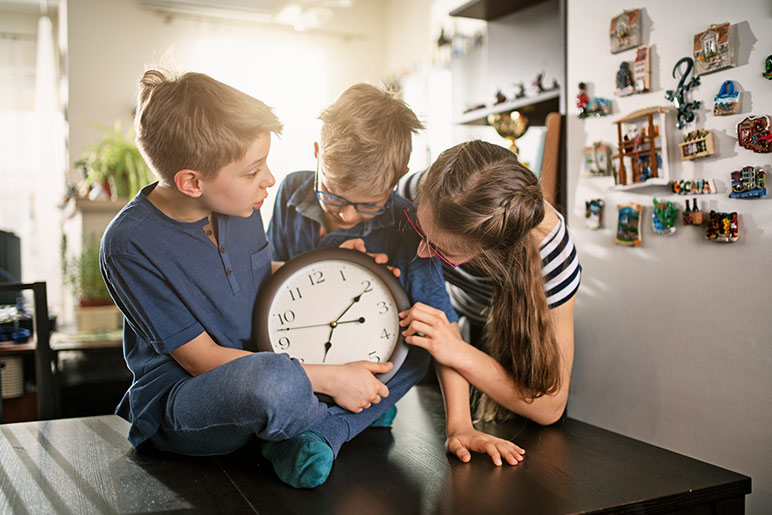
366,139
196,122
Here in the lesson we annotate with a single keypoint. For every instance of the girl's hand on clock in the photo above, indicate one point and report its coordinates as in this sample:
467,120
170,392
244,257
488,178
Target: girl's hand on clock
429,328
380,258
469,439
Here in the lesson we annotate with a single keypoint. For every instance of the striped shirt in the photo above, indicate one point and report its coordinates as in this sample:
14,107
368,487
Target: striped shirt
472,294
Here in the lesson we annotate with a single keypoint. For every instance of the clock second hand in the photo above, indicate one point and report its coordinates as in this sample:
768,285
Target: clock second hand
361,320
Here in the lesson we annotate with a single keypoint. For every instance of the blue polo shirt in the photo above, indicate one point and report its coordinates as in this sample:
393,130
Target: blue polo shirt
172,283
296,227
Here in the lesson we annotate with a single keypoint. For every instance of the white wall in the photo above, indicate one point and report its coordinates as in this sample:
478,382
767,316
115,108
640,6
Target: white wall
673,338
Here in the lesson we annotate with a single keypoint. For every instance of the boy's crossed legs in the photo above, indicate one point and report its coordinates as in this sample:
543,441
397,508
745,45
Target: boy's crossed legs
269,396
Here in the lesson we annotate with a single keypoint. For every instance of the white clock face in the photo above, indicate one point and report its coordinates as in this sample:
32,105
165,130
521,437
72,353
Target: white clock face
332,312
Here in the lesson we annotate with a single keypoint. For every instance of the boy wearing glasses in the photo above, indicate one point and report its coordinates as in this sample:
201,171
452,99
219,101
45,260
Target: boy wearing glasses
365,145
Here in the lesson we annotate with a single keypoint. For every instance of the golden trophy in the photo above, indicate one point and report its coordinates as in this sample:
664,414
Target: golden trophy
510,126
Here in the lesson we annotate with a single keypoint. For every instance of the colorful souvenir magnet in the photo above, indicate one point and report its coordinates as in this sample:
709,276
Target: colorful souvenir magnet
596,107
629,225
689,187
634,77
597,159
678,95
755,133
713,49
593,213
727,101
696,144
768,68
722,227
748,183
693,215
625,31
663,217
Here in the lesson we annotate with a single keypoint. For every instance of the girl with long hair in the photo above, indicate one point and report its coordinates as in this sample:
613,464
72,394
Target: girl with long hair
513,272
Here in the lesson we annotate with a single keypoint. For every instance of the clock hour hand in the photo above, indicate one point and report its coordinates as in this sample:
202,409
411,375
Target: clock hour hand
328,343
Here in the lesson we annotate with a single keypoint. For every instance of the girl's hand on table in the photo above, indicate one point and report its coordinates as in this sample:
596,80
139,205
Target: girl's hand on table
427,327
461,443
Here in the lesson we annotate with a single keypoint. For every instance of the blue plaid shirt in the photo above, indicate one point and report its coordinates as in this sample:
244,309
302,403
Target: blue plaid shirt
296,227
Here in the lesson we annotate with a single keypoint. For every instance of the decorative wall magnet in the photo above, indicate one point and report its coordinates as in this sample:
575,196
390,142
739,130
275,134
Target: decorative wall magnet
755,133
696,144
597,159
593,213
678,95
596,107
713,49
727,101
690,187
768,68
629,225
693,215
634,77
642,143
749,182
663,217
722,227
625,31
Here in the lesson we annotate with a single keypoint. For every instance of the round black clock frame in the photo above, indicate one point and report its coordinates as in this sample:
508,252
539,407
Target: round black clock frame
261,340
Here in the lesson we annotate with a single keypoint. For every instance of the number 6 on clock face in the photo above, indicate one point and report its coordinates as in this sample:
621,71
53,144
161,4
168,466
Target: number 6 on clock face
332,306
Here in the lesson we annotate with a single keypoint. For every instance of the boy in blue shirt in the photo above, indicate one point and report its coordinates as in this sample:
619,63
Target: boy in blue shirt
365,145
184,261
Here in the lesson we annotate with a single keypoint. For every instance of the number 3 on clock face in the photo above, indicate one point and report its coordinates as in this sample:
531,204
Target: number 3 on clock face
332,306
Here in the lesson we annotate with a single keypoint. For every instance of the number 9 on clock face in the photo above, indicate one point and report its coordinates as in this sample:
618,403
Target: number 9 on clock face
332,306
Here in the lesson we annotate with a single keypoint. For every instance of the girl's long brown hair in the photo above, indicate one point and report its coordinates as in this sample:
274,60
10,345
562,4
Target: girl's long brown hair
481,192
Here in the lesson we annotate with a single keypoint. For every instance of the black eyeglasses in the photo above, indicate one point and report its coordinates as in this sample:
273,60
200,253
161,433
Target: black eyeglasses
334,200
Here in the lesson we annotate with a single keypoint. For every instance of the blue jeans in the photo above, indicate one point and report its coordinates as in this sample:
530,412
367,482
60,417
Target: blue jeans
268,396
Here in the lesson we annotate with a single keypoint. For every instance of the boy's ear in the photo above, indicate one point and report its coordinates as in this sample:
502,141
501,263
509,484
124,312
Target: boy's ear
189,183
316,149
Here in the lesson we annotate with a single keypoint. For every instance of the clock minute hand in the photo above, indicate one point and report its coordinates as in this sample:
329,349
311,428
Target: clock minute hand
356,299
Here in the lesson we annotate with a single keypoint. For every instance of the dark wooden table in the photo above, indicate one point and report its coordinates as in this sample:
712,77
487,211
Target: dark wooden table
86,465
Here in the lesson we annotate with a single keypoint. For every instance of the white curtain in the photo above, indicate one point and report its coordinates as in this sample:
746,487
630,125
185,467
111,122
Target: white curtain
32,163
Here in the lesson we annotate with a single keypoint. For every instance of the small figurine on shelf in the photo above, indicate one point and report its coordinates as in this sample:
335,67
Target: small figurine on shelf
755,133
537,83
624,80
500,98
555,85
768,68
688,187
629,225
474,108
581,100
749,182
713,49
520,90
593,213
727,101
722,227
678,95
692,216
663,217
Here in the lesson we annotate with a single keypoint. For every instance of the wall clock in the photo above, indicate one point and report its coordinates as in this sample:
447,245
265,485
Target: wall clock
332,306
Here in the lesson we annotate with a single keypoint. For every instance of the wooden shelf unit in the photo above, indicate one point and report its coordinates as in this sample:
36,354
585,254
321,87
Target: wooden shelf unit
698,147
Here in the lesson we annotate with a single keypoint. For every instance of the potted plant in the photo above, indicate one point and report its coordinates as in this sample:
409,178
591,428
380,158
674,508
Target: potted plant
96,310
115,159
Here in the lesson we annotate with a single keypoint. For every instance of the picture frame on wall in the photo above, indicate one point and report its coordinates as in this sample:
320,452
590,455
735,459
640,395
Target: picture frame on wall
713,49
625,30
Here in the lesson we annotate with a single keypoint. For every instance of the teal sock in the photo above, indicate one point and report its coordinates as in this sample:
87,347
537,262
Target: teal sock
386,418
304,461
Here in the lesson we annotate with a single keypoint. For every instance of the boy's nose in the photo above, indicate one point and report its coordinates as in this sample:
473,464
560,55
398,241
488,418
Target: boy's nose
270,180
347,214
